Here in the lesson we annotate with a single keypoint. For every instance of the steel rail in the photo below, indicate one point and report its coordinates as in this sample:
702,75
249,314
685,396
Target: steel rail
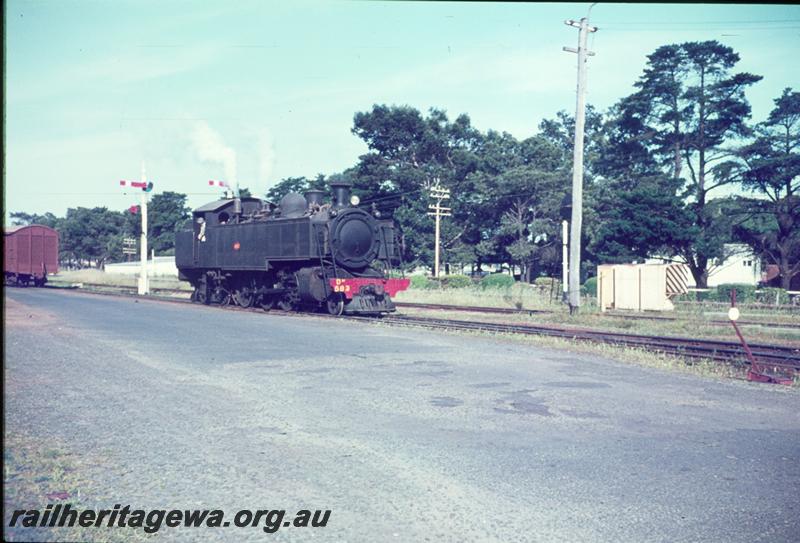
499,310
770,355
511,310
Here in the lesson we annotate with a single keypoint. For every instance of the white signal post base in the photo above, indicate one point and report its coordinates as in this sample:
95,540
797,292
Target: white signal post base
144,279
564,261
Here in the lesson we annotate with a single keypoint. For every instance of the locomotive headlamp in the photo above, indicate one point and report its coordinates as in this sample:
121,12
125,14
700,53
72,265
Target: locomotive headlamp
354,200
733,313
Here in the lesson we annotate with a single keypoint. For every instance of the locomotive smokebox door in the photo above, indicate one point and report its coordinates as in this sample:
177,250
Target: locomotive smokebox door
355,238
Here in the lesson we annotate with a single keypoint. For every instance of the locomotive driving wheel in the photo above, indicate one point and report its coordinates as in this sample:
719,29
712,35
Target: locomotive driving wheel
287,303
245,294
199,295
290,299
223,296
335,304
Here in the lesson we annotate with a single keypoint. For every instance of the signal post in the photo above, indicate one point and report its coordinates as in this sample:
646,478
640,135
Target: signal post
144,280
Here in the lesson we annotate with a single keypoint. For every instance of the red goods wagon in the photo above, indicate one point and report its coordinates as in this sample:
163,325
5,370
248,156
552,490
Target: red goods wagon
31,252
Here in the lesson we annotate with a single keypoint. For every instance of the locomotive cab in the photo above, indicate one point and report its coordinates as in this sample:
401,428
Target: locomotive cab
223,211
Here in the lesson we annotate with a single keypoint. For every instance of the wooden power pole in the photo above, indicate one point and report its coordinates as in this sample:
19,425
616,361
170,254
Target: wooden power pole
439,194
577,164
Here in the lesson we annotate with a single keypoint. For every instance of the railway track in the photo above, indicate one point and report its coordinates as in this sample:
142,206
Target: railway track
723,351
515,311
771,356
502,310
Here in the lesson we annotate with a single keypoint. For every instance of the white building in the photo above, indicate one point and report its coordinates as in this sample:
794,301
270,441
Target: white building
741,266
163,266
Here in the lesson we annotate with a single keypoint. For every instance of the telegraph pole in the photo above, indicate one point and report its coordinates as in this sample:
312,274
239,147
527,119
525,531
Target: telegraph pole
577,163
439,194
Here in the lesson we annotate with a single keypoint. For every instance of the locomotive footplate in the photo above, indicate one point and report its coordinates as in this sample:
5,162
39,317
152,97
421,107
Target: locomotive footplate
368,294
353,286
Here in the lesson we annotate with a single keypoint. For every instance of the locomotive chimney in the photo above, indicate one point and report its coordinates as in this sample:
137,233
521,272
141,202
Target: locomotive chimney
237,203
340,193
314,197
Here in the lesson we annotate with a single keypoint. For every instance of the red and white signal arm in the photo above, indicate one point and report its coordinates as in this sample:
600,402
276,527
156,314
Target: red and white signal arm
145,186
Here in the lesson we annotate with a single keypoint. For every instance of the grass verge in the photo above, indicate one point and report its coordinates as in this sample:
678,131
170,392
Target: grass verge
38,473
99,277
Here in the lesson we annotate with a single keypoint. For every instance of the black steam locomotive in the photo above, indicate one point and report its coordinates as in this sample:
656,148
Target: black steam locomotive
300,254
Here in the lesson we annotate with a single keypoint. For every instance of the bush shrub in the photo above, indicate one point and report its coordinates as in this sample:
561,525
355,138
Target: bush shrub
497,280
769,295
589,288
546,281
703,296
697,296
456,281
744,293
420,282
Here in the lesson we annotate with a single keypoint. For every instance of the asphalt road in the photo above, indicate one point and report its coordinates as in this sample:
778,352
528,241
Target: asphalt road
404,434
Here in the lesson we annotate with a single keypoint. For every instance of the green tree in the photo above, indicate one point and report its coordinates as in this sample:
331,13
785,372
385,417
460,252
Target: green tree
526,200
167,213
409,152
640,221
21,218
92,235
688,106
770,169
561,133
637,209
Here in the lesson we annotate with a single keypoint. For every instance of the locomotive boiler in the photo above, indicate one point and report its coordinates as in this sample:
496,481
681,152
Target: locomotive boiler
303,253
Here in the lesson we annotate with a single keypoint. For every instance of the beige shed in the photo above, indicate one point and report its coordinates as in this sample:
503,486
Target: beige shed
640,287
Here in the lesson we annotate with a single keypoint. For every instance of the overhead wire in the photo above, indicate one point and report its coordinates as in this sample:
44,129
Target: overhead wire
767,21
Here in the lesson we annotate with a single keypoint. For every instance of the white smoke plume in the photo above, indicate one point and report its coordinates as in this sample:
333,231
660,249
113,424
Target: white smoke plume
210,148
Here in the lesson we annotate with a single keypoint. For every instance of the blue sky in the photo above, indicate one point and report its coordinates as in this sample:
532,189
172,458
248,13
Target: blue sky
262,90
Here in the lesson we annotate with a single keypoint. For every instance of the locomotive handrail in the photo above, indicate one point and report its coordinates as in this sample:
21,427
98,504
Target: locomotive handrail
386,249
318,229
399,246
